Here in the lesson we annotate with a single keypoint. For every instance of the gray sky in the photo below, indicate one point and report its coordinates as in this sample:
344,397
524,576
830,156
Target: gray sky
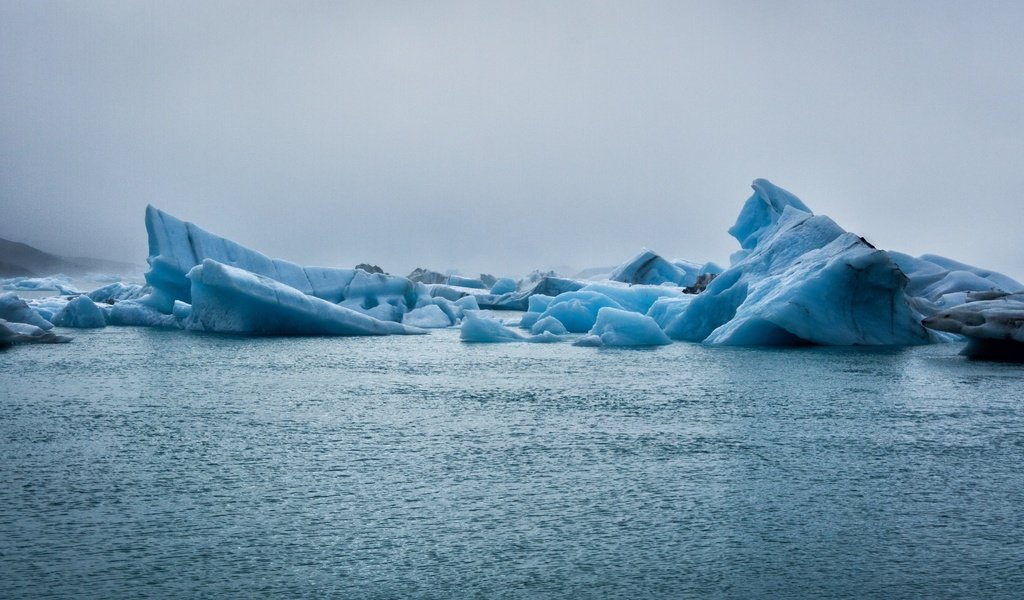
508,136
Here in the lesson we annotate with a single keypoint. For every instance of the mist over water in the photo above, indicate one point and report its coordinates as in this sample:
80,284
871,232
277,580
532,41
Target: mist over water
503,138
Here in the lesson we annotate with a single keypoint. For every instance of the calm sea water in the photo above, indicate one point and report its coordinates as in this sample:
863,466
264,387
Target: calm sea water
147,463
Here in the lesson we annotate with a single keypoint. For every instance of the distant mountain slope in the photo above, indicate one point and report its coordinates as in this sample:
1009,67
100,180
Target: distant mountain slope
22,260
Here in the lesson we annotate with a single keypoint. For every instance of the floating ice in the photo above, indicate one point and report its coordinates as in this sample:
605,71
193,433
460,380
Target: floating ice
81,313
232,300
430,316
801,279
504,285
577,311
467,303
56,283
117,292
132,313
993,323
616,327
466,282
15,310
478,328
23,333
548,325
651,269
175,247
637,298
937,283
760,213
664,310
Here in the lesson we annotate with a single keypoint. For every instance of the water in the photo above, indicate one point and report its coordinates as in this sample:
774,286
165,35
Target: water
147,463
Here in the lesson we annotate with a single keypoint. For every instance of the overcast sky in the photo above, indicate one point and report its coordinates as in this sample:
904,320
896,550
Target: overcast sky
509,136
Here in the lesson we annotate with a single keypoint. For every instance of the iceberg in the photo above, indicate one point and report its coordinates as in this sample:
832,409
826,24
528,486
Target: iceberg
175,247
616,327
666,309
15,310
117,292
465,282
57,283
131,313
232,300
23,333
801,279
430,316
649,268
993,323
504,285
548,325
421,275
546,286
637,298
938,283
467,303
760,213
478,328
81,313
577,311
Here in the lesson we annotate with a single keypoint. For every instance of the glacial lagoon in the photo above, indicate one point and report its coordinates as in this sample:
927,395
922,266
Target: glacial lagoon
142,462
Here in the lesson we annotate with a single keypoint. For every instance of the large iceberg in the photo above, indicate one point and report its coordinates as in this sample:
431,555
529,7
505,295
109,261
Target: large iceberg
175,247
801,279
232,300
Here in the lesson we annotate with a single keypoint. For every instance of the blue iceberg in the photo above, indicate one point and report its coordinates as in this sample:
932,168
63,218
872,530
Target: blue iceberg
616,327
81,313
801,279
231,300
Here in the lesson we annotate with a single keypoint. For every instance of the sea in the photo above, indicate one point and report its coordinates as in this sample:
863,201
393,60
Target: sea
147,463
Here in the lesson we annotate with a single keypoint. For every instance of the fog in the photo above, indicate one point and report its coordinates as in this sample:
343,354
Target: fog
503,137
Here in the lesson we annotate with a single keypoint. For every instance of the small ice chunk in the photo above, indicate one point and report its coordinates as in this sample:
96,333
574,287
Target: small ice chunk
427,317
467,303
548,325
478,328
615,327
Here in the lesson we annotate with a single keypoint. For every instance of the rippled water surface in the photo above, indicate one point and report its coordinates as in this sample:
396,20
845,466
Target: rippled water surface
146,463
